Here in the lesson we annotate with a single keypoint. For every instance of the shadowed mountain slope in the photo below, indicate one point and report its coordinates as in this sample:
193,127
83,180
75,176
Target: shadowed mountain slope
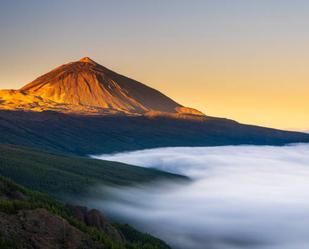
84,135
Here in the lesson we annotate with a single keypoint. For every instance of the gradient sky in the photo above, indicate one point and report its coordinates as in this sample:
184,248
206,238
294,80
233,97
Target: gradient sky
242,59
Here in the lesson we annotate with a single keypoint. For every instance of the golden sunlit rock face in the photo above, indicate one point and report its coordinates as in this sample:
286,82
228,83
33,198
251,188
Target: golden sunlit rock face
86,87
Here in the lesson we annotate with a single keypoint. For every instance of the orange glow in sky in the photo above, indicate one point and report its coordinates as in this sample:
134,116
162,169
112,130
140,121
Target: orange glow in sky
244,60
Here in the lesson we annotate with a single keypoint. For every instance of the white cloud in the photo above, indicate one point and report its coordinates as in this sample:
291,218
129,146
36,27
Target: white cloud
241,197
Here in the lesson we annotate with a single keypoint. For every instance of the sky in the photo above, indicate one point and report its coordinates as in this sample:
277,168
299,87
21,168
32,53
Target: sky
243,59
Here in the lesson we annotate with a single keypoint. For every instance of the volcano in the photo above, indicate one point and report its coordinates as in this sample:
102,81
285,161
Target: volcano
84,108
85,86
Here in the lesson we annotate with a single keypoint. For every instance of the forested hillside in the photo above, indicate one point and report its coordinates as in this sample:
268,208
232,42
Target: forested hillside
62,176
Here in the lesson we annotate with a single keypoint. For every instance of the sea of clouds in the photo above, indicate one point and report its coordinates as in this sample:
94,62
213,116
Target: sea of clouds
240,197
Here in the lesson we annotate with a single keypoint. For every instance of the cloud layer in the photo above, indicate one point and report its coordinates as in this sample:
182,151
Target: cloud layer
241,197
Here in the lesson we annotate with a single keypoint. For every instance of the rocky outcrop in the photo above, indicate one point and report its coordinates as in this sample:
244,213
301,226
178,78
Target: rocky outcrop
40,229
188,110
95,218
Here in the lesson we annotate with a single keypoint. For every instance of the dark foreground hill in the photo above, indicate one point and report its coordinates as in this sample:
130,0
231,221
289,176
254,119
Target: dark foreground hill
84,135
31,220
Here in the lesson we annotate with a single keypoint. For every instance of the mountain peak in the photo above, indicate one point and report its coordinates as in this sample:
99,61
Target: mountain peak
87,60
87,87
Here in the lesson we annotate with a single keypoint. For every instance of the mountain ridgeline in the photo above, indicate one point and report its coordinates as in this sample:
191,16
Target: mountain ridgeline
87,134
